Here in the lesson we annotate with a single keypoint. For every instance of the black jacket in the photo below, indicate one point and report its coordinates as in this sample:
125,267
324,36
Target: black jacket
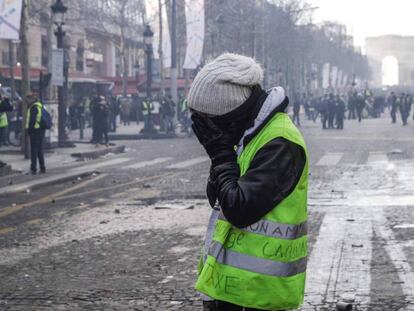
5,106
271,177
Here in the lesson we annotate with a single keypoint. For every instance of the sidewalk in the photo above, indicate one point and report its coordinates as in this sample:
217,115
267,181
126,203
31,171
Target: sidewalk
63,164
126,132
130,130
56,157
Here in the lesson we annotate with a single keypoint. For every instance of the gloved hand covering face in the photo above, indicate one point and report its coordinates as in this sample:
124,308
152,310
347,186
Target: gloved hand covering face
224,132
218,143
242,118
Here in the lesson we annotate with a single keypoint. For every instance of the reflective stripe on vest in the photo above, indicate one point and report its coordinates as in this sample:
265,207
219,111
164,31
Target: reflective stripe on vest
3,120
275,229
38,115
147,108
255,264
262,266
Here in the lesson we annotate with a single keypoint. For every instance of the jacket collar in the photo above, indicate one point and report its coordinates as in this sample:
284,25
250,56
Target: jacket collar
276,102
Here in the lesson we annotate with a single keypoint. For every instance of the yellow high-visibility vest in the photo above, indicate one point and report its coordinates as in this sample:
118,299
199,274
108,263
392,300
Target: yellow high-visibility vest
39,107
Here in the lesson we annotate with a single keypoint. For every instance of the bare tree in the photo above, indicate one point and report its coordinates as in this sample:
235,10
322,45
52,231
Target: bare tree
25,73
281,35
121,21
160,46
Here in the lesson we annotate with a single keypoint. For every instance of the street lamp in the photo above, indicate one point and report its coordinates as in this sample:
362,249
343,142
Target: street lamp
148,39
58,11
136,69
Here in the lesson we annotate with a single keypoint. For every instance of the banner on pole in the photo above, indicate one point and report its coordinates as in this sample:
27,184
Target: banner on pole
334,76
339,80
10,15
194,13
325,76
57,67
345,80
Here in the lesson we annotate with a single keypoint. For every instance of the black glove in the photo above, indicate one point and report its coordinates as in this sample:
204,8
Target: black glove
212,191
218,143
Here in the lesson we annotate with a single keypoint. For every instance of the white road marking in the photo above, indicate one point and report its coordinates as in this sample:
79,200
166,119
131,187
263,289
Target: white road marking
323,262
354,277
377,157
404,226
102,164
339,266
397,255
330,159
26,186
147,163
409,243
188,163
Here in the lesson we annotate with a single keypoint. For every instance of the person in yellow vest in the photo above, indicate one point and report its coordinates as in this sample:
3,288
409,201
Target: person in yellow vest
5,107
36,133
255,251
147,110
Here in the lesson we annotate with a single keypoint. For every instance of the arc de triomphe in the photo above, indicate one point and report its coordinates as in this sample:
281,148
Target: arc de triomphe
400,49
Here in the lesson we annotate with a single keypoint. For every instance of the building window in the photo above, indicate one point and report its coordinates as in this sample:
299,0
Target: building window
5,56
80,51
45,52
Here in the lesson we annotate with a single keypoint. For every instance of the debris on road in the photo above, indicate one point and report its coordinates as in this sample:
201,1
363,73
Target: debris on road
343,306
174,205
396,151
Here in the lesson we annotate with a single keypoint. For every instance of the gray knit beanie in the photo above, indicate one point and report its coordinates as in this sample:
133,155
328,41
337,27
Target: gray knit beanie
224,84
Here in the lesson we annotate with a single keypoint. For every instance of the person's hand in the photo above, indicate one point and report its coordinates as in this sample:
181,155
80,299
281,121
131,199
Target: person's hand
218,143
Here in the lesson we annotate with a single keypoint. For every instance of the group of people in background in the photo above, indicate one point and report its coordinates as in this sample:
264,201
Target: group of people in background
105,113
333,109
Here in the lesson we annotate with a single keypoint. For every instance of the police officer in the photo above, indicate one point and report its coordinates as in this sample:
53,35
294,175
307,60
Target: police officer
406,103
296,109
323,109
340,112
352,105
94,109
360,105
399,105
102,117
5,107
331,111
392,101
36,133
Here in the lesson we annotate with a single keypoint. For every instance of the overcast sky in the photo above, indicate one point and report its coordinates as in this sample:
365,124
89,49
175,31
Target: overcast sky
369,17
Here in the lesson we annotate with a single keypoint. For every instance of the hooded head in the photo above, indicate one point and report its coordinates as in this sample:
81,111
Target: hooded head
31,98
224,84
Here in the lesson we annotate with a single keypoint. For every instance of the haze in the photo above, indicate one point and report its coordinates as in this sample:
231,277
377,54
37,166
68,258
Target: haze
369,17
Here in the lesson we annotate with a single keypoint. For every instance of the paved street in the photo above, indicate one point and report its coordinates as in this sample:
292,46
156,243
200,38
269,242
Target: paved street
128,235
